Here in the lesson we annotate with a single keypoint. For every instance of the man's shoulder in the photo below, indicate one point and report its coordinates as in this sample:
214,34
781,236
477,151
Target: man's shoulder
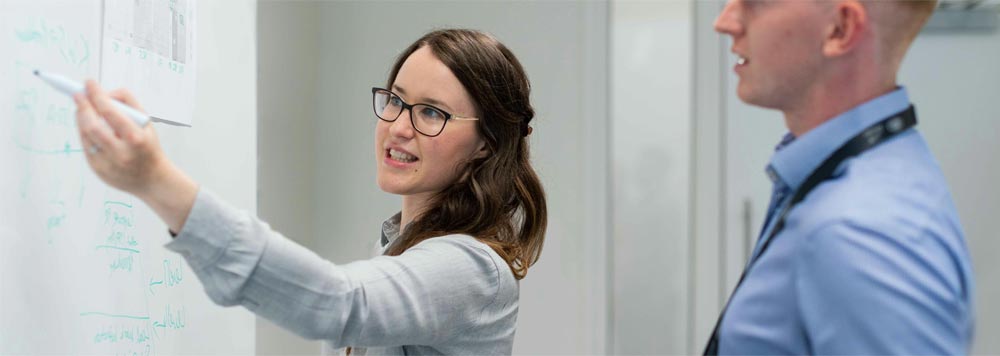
898,189
894,201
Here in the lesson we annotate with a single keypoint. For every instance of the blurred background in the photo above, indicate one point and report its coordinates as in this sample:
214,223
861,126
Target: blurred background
653,168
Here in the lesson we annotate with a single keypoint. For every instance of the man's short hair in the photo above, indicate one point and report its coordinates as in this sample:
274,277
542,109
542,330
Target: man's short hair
900,21
920,10
924,7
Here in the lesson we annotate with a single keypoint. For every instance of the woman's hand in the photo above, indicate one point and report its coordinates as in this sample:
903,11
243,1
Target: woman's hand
124,155
129,157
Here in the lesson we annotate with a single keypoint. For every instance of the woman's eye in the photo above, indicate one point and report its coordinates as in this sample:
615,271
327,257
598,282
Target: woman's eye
431,114
395,101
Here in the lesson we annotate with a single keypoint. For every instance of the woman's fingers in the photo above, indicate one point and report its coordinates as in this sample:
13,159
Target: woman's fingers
85,143
125,96
122,154
102,104
93,131
97,139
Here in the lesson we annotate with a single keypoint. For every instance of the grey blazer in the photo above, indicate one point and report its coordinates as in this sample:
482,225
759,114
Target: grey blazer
447,295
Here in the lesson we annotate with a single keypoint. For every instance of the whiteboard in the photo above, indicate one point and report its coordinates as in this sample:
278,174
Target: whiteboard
82,267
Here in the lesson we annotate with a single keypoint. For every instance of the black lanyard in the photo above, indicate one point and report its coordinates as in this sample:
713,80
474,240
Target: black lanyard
870,137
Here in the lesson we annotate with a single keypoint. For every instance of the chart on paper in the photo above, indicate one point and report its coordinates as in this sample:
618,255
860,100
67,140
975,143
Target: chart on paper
148,47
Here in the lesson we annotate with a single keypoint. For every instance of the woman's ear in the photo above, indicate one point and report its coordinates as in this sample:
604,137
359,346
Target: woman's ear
482,151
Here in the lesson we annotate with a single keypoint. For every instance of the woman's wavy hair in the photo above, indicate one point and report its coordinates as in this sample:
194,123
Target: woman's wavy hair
498,198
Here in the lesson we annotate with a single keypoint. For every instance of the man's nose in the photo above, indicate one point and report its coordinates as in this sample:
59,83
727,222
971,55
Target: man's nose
728,21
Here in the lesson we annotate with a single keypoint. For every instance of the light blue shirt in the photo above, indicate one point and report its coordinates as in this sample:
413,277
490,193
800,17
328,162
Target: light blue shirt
873,261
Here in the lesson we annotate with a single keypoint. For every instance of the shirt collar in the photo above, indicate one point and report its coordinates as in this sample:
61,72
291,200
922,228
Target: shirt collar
794,160
390,229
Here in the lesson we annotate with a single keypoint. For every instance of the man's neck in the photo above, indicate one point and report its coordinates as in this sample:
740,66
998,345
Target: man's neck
824,102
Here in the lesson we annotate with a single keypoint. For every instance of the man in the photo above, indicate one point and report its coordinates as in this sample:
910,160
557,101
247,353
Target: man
870,258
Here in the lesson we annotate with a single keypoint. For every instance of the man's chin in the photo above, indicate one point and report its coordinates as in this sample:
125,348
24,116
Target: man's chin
756,98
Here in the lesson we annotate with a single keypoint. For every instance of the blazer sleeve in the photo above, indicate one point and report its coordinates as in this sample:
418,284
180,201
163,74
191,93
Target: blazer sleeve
427,295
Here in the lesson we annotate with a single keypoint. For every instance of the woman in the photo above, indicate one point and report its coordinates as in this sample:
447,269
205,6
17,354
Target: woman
450,138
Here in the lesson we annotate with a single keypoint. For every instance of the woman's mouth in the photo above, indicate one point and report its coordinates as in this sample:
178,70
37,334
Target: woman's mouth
401,156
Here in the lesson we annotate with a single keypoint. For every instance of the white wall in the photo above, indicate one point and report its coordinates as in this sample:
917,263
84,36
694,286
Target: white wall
651,125
707,282
287,56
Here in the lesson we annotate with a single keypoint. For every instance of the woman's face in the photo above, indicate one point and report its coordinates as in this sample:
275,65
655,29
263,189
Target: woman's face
410,163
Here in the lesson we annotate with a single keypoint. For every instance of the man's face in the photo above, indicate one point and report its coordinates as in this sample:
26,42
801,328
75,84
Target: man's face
779,48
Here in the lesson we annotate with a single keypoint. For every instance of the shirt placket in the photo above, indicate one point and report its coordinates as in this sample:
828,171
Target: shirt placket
779,193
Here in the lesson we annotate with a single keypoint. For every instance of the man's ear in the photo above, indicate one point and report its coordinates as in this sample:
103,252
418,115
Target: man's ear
850,24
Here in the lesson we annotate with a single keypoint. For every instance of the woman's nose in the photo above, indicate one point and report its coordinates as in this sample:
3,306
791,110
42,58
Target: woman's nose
402,126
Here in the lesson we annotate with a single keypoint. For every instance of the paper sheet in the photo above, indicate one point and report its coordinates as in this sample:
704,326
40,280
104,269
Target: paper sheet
148,47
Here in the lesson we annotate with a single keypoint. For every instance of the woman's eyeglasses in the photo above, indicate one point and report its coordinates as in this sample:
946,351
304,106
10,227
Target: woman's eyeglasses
426,119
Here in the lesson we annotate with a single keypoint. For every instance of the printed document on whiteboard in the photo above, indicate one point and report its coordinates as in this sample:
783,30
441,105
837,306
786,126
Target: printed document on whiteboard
148,47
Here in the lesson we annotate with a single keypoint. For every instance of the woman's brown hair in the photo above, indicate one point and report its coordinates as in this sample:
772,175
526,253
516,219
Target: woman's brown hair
498,198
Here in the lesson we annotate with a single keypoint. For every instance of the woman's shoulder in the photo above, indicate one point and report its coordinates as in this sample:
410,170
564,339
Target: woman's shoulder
456,240
461,249
459,244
